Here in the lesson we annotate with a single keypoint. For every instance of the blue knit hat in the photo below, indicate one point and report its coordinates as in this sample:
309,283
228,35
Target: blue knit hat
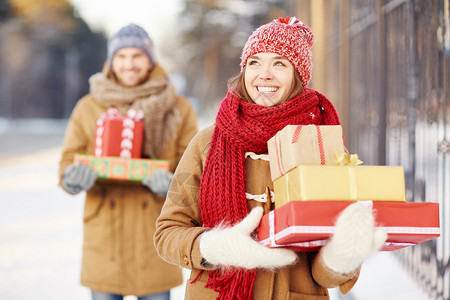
131,36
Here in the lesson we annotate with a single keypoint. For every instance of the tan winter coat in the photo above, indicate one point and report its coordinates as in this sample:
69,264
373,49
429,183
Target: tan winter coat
180,225
119,218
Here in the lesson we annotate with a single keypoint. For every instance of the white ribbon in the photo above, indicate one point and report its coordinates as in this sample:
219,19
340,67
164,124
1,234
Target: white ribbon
260,198
255,156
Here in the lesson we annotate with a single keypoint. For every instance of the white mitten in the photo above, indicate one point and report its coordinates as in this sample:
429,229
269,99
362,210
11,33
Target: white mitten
355,239
234,246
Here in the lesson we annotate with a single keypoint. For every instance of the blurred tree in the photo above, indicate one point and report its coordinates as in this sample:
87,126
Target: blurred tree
4,10
213,33
45,12
47,56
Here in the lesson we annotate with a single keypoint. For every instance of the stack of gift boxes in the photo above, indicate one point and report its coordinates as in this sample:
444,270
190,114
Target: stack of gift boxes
118,148
315,179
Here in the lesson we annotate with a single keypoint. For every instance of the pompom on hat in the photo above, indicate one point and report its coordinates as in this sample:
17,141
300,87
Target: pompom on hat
288,37
134,36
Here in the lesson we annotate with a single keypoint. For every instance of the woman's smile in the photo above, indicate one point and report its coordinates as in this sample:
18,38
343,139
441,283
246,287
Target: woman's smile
269,78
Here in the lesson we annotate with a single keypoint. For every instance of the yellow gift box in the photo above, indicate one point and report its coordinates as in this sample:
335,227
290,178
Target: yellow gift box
296,145
341,183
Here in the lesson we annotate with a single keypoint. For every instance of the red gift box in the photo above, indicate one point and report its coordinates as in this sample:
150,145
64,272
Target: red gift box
306,225
119,135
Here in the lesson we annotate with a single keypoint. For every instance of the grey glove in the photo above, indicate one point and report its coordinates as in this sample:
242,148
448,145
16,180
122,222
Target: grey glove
78,177
159,182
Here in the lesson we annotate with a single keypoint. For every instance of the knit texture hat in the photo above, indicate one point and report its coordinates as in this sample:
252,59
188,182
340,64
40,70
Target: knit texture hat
288,37
131,36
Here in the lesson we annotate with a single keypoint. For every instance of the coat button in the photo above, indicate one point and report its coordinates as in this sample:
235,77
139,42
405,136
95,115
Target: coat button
186,261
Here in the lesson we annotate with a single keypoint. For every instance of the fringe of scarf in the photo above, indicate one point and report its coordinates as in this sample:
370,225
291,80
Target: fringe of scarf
242,127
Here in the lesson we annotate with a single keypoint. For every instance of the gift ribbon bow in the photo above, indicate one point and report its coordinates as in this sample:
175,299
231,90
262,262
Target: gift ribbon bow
113,114
346,159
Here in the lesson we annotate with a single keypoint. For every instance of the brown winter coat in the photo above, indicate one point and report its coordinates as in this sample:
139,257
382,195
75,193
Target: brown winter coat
119,218
180,225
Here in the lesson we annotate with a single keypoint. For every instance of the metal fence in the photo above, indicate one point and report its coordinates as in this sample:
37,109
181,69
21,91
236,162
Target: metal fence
421,141
387,65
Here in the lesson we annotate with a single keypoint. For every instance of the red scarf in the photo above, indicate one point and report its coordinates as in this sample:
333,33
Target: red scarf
245,127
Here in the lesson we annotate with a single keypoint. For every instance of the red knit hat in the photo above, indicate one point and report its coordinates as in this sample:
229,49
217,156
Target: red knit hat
288,37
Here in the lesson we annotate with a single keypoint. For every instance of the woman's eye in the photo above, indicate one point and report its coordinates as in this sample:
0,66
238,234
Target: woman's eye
252,62
279,63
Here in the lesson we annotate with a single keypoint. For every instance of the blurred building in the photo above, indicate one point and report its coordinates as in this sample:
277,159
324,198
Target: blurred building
213,33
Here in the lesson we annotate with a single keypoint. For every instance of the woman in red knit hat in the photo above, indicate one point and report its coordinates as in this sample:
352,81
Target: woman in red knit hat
218,193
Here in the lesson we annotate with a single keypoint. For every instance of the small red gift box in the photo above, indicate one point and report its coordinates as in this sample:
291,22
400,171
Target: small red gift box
119,135
306,225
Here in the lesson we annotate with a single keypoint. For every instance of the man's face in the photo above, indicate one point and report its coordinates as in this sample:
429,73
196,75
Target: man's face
131,66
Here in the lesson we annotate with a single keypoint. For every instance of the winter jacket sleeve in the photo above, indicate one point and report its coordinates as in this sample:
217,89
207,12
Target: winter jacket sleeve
80,131
179,225
330,279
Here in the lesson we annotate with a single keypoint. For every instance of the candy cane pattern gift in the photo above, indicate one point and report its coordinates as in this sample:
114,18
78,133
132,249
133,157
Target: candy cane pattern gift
118,135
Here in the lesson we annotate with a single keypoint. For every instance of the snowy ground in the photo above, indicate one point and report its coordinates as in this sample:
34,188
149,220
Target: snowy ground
41,230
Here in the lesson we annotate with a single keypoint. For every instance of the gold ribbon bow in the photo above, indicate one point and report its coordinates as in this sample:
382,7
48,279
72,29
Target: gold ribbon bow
346,159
